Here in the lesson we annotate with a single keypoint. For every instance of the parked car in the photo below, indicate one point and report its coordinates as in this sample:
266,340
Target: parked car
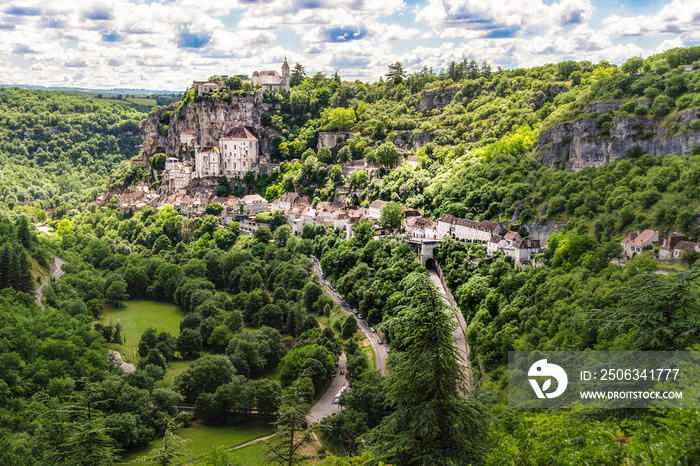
336,400
342,371
388,350
359,316
333,375
380,342
373,330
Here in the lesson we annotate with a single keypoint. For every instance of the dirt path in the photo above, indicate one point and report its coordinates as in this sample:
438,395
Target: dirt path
55,272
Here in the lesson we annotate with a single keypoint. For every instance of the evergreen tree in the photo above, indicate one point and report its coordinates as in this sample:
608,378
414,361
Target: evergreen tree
173,449
292,433
23,273
437,419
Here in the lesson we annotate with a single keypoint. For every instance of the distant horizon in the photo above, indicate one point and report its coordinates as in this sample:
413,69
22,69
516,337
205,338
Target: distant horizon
149,44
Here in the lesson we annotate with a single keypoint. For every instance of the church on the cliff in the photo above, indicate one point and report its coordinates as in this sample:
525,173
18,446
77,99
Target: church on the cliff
267,80
235,155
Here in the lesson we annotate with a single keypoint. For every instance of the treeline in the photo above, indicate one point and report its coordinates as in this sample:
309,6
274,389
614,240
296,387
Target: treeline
18,245
59,148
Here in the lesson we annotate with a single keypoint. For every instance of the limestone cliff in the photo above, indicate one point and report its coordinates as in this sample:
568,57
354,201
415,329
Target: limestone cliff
582,144
209,120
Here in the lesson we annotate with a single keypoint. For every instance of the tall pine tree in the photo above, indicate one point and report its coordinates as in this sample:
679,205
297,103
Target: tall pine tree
437,420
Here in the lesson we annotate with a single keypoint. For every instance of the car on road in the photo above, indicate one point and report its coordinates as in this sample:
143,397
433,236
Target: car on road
355,311
373,330
359,316
380,342
336,400
323,276
333,375
342,372
388,350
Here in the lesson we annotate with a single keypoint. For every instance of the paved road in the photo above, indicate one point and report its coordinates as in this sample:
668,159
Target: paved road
380,353
56,272
325,406
459,335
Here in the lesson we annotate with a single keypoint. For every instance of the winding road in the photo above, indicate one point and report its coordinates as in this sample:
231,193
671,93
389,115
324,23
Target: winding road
55,272
380,353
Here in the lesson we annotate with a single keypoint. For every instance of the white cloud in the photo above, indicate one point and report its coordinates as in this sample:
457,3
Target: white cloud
167,44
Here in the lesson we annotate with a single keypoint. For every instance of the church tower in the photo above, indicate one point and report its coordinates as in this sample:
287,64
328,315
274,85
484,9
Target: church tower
285,73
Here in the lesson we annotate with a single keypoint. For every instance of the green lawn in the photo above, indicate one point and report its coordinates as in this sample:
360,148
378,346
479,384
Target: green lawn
273,375
174,368
204,438
252,455
138,315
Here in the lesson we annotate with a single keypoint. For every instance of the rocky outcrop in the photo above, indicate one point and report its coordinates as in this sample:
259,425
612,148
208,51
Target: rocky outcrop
542,230
581,144
413,139
436,98
330,139
209,120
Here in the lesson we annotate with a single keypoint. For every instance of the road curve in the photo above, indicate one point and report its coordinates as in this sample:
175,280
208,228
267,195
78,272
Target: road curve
56,272
460,333
380,353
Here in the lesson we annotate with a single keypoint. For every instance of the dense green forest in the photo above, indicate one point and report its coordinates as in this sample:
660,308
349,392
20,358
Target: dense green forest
58,149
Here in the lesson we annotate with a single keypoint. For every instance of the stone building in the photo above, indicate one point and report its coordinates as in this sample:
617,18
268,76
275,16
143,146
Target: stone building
272,80
236,154
177,175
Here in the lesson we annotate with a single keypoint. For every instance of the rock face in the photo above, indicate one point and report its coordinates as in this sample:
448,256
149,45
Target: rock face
580,144
542,230
330,140
209,120
436,98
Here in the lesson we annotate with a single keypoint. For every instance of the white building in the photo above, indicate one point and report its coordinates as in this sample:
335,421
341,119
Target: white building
207,161
177,175
375,209
634,242
239,152
254,204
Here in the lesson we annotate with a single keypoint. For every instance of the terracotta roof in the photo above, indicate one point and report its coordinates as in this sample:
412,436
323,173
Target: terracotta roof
511,235
672,240
495,239
241,132
639,239
378,204
252,198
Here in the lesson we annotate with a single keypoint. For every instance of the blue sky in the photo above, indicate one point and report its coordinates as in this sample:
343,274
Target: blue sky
166,44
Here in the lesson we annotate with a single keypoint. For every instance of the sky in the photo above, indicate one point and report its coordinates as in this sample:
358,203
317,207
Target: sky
140,44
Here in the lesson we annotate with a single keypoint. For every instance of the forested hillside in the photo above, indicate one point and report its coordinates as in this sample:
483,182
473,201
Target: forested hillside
515,146
60,148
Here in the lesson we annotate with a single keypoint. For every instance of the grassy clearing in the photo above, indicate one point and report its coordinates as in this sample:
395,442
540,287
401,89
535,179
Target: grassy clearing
369,353
204,438
138,315
273,375
252,455
174,368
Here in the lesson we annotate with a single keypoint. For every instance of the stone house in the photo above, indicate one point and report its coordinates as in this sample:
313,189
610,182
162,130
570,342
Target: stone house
254,204
669,244
375,208
684,246
635,241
